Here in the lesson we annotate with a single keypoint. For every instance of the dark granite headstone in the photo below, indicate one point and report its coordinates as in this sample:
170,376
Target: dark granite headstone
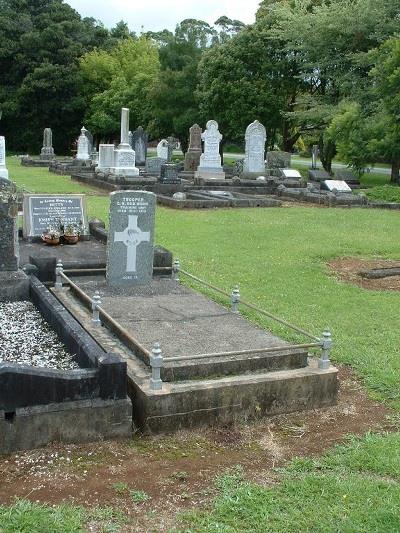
42,212
139,144
277,159
192,157
9,256
169,173
130,248
318,175
348,176
153,165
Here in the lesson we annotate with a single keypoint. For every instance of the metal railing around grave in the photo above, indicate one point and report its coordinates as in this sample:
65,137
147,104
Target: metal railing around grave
155,358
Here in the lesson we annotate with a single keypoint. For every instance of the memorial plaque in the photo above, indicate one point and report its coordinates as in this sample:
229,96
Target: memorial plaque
335,185
42,212
291,173
170,174
130,244
153,165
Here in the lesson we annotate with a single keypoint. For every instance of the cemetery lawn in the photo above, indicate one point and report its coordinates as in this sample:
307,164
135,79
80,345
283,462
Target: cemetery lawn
279,257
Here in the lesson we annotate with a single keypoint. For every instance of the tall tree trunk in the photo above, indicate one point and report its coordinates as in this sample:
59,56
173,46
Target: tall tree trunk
395,173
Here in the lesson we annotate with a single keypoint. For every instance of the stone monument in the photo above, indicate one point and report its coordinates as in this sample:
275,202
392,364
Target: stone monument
9,257
162,149
172,145
314,157
139,140
192,157
130,244
3,167
124,156
210,161
254,161
277,159
84,145
118,162
47,152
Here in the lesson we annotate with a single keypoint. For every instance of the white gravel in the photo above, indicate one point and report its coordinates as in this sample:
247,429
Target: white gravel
27,339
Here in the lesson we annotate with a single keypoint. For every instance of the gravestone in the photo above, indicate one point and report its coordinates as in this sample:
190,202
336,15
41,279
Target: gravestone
254,161
162,149
210,161
318,175
192,156
84,145
44,211
130,244
291,173
335,185
106,157
124,156
3,168
277,159
172,144
314,157
47,152
153,165
139,142
9,256
169,173
348,176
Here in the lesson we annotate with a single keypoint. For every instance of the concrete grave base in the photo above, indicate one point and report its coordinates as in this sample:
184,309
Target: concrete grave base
210,174
69,422
234,399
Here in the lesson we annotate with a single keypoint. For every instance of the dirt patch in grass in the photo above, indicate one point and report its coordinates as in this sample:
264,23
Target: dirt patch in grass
349,269
175,472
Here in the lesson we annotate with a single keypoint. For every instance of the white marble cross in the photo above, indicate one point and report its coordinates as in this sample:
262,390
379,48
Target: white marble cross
132,236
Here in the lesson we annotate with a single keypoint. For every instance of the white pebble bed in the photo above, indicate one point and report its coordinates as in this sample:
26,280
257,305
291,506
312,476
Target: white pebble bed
27,339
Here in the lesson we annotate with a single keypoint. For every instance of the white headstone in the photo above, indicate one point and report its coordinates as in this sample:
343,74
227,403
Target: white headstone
84,147
106,157
336,185
162,149
3,168
255,137
291,173
124,156
210,161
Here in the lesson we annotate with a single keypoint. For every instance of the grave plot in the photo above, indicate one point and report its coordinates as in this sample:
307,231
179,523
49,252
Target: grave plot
207,198
190,361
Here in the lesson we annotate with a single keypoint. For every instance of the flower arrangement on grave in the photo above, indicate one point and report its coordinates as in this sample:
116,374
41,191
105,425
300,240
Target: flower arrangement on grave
52,236
72,232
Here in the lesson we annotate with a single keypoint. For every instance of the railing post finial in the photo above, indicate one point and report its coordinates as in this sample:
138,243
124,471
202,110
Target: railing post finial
175,270
156,363
235,299
96,302
59,271
326,346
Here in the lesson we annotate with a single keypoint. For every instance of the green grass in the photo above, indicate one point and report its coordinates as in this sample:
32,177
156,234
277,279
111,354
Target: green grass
278,256
354,488
40,180
387,193
27,517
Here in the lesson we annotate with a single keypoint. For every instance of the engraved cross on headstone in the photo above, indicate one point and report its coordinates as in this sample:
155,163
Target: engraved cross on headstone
132,236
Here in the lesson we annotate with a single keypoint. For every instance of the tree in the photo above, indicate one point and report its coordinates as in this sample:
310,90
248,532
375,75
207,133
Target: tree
250,77
40,44
123,77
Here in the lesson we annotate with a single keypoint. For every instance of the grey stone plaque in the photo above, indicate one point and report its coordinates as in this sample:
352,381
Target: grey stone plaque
42,212
130,244
335,185
153,165
170,173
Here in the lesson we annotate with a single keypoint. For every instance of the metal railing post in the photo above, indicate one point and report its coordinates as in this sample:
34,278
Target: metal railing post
326,346
59,270
156,363
96,302
175,270
235,300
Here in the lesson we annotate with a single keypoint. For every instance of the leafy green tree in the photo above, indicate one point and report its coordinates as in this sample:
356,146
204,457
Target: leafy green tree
40,44
123,77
